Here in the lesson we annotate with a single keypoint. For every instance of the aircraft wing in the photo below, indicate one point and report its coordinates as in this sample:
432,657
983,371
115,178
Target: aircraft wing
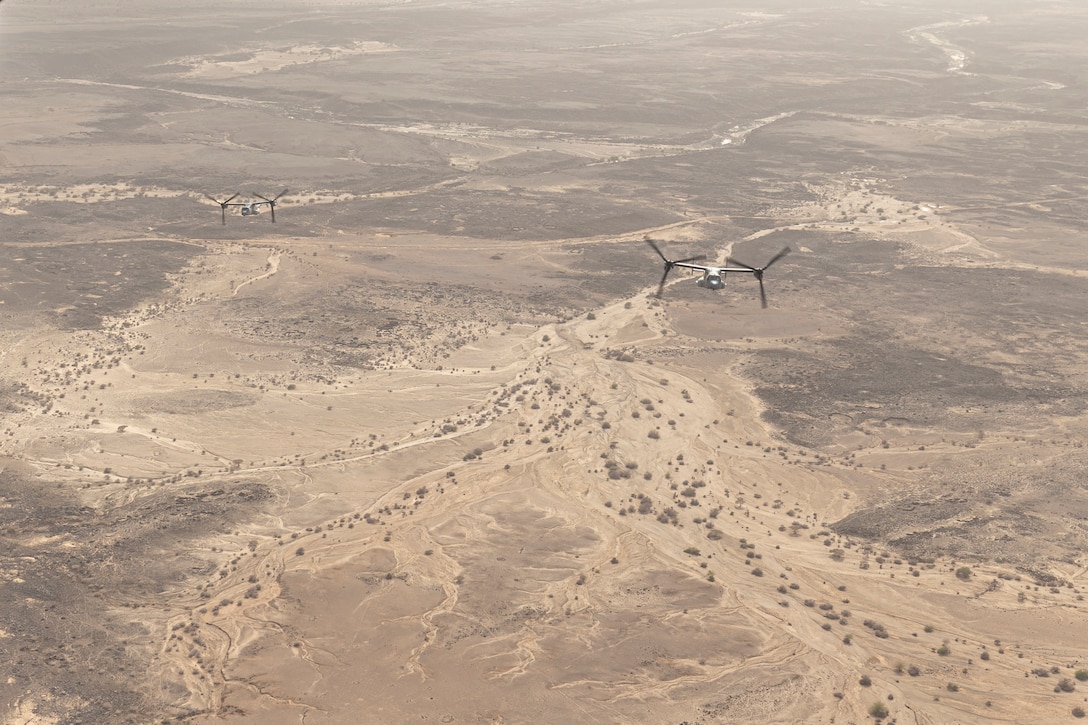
689,265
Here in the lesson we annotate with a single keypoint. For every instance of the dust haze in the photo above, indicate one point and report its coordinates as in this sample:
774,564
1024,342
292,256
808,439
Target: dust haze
429,448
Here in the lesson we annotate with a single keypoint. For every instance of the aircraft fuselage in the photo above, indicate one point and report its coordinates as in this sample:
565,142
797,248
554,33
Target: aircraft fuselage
711,281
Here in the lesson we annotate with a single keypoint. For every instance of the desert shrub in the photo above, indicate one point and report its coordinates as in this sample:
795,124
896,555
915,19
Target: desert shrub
1066,685
1078,711
913,671
865,681
964,573
1081,675
878,710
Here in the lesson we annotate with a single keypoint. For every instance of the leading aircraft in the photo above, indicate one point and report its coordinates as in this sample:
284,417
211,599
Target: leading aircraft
248,207
714,276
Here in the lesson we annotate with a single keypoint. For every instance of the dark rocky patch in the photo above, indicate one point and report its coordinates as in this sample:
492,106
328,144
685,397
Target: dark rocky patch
70,571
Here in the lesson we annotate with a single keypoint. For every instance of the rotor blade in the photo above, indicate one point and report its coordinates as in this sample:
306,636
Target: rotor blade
231,198
762,293
775,258
656,249
661,284
209,198
262,197
272,206
730,260
223,213
277,196
696,258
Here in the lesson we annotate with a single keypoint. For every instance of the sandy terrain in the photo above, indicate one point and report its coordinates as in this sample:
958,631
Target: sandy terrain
429,449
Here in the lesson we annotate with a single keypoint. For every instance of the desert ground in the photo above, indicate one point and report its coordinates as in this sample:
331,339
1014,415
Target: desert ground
429,448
